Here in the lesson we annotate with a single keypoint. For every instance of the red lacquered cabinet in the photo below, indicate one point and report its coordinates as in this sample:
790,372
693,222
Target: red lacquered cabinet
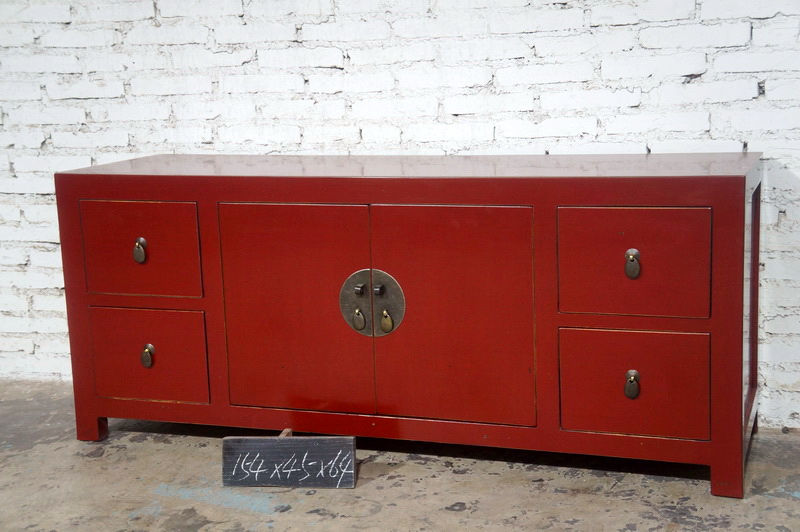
584,304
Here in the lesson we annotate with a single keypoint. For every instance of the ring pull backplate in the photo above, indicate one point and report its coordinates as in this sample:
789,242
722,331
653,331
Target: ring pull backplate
632,266
146,358
632,384
140,250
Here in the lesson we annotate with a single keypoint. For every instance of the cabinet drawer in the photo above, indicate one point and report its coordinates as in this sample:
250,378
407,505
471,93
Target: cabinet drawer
673,382
674,260
170,260
179,369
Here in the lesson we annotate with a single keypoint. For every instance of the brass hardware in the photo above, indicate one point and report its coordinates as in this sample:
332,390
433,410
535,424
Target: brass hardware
147,355
356,309
386,322
388,306
357,302
632,384
632,266
140,250
359,320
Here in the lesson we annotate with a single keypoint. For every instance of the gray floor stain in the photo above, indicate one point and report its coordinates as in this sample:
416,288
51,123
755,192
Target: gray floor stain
187,520
166,476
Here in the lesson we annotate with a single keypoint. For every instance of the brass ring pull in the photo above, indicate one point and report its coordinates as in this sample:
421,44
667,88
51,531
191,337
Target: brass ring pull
359,320
387,323
632,267
146,357
632,384
140,250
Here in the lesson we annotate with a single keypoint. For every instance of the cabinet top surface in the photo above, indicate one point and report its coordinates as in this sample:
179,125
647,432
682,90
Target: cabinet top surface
653,165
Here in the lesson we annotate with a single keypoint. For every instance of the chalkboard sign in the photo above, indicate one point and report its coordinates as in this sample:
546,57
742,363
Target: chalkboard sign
306,461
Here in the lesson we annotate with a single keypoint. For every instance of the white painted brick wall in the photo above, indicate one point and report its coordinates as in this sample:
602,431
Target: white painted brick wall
254,31
87,82
644,66
120,11
167,32
42,115
527,20
21,11
600,40
77,38
85,89
301,56
14,61
539,74
696,35
625,13
199,8
170,85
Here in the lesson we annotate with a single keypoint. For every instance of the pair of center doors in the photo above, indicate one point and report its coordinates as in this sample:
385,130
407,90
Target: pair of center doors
464,350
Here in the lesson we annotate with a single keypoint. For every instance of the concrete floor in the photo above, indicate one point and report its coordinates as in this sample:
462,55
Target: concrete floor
157,476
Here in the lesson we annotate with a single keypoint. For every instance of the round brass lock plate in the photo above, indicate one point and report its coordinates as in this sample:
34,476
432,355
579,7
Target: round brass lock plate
372,302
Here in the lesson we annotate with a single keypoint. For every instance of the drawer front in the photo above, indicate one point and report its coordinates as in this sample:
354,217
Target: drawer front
169,258
673,382
674,261
178,370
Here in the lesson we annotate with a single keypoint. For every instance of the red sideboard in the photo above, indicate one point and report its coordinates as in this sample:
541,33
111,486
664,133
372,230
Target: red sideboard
584,304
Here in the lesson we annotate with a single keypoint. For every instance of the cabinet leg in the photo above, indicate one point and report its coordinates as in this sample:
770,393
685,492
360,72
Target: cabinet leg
727,479
90,428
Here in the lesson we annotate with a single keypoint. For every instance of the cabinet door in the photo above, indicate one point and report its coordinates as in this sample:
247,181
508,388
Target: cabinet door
464,350
288,346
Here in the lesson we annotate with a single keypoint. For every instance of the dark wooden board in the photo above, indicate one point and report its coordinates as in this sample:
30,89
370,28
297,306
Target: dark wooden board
306,461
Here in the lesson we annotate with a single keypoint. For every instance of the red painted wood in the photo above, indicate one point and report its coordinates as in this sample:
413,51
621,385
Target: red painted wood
212,301
675,247
674,385
89,421
727,340
179,370
750,354
713,181
519,437
639,166
465,347
110,229
288,345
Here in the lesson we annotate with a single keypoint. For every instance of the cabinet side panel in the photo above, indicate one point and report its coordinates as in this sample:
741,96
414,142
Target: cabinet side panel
750,325
90,424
